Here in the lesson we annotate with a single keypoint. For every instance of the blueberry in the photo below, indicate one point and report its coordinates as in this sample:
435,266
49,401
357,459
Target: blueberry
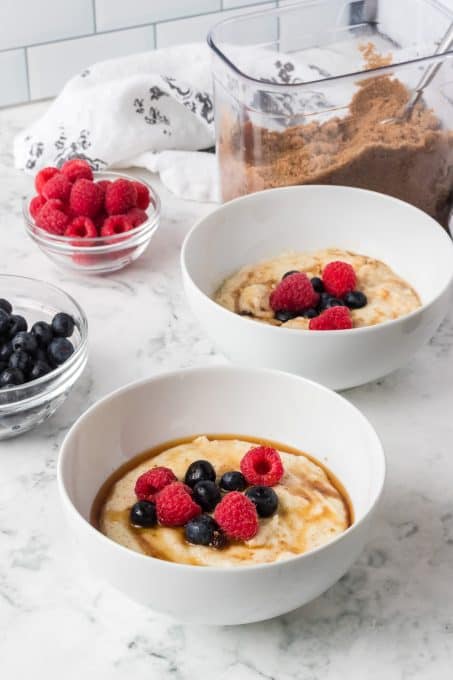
6,305
39,369
317,284
143,514
199,471
264,498
284,316
334,302
5,351
233,481
309,313
41,355
11,376
59,351
202,530
25,341
3,365
63,325
5,322
17,325
293,271
207,495
20,360
355,299
43,333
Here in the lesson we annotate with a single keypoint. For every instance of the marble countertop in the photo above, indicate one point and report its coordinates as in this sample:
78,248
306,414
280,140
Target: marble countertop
390,617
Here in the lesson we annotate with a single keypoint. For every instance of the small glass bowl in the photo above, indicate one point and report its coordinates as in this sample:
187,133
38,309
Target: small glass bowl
99,255
24,406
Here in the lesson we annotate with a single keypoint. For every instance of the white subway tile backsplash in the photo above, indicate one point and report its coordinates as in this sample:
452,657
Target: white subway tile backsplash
114,14
25,22
13,77
50,66
230,4
197,28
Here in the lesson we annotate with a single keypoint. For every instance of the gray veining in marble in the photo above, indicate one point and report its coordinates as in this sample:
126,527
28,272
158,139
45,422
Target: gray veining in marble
390,617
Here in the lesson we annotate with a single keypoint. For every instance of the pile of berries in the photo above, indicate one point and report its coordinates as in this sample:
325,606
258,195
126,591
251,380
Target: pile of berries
326,301
211,513
27,355
70,203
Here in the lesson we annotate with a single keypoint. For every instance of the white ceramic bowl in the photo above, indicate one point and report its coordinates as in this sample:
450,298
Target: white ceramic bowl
254,402
268,223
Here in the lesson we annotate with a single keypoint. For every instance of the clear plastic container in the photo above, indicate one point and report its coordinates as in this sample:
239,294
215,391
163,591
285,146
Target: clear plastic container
309,93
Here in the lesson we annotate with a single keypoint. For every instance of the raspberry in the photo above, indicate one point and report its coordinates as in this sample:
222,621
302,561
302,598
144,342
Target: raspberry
116,224
339,278
43,176
293,293
57,186
152,481
35,206
175,506
77,169
333,319
103,184
262,465
136,216
120,197
86,198
52,217
142,195
236,515
82,227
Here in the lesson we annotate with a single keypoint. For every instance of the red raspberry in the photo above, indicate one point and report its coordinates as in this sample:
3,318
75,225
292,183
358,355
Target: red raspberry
52,217
120,197
86,198
77,169
152,481
35,206
136,216
236,515
175,506
262,465
57,186
333,319
293,294
116,224
82,227
339,278
142,195
103,184
43,176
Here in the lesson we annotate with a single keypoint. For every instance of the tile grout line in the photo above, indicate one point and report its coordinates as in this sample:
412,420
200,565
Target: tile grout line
27,74
155,36
93,6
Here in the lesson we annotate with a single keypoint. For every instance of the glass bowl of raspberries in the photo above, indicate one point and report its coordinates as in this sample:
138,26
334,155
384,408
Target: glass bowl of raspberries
91,222
43,351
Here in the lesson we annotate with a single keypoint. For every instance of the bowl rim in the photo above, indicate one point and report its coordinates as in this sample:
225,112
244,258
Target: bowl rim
62,368
269,328
67,502
97,244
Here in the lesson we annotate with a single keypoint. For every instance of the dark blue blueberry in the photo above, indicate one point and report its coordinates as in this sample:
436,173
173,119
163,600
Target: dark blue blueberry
6,306
39,369
293,271
143,514
204,530
20,360
59,351
17,324
25,341
5,322
284,316
233,481
43,333
309,313
317,284
63,325
264,498
5,351
11,376
355,299
207,495
327,301
199,471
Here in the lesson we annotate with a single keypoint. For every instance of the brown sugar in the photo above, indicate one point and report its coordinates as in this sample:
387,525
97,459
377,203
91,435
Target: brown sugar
411,159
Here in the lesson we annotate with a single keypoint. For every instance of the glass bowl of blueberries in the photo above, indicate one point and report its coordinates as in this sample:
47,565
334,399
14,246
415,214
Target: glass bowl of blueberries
43,351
